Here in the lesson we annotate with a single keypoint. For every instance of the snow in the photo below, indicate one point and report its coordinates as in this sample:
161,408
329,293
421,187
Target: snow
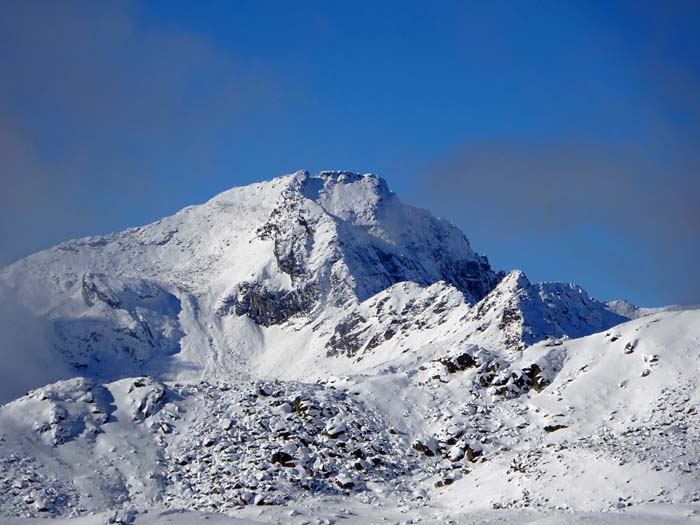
626,438
350,513
311,348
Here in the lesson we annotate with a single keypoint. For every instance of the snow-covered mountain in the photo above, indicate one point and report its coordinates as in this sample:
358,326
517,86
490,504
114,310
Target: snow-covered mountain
287,271
313,335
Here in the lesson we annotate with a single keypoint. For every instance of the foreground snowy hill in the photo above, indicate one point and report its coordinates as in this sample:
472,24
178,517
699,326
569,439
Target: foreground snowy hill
313,337
603,422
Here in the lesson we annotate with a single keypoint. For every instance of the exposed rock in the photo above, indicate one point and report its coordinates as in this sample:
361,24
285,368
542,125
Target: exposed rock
423,448
554,427
282,458
457,363
346,337
272,307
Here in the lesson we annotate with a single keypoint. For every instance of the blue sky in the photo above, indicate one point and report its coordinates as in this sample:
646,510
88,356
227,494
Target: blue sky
560,136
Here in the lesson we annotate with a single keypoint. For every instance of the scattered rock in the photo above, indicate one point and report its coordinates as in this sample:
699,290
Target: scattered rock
282,458
555,427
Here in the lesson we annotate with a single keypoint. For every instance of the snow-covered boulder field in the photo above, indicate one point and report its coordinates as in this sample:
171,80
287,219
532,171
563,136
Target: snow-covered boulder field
312,350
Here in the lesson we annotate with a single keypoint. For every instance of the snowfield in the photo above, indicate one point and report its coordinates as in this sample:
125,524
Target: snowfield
327,512
312,350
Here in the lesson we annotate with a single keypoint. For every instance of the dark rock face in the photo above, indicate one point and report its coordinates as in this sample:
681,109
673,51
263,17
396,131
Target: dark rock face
389,266
423,448
292,231
511,320
472,453
520,382
348,336
270,307
457,363
282,458
290,261
476,278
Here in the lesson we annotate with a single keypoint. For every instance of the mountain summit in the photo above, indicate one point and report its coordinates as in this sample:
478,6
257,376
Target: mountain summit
270,277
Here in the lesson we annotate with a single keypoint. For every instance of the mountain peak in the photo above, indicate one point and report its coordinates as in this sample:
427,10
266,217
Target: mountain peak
286,254
513,281
368,180
347,195
344,175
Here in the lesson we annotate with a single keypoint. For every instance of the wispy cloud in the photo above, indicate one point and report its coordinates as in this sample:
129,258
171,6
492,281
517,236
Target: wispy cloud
28,359
555,184
93,101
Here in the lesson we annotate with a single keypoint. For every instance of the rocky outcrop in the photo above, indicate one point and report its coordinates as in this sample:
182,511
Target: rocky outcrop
517,314
272,307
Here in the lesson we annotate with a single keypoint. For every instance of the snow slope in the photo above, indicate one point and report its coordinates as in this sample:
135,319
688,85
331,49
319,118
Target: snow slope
607,421
332,511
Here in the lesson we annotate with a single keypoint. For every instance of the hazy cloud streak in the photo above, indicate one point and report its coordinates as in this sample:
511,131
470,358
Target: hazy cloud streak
93,103
530,188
